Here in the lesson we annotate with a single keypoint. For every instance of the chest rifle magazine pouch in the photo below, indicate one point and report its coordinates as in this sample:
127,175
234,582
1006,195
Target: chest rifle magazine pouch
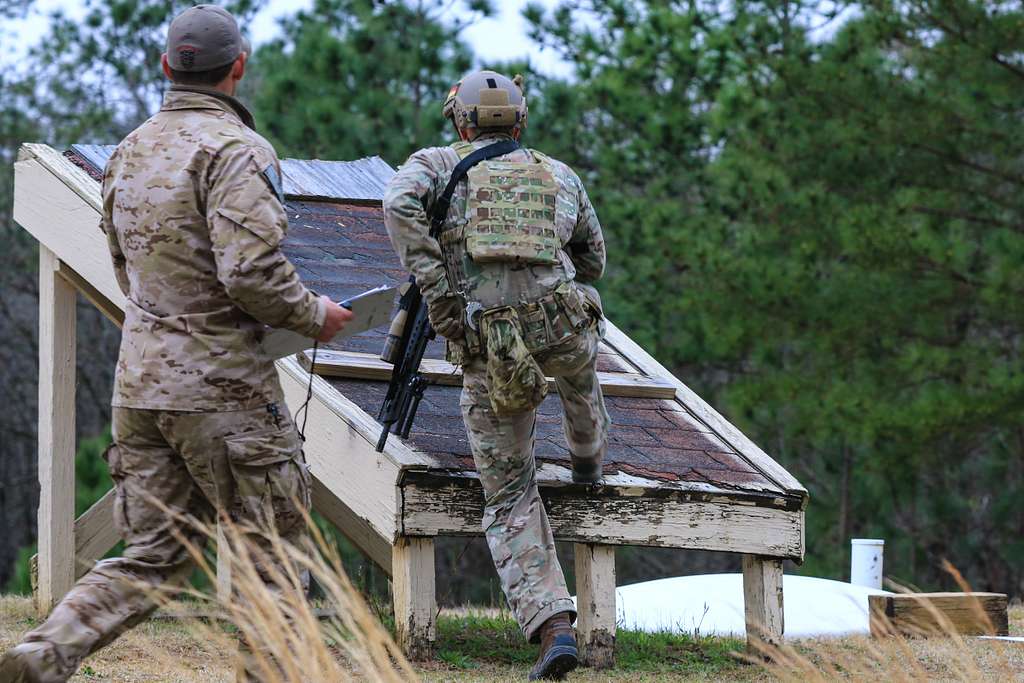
517,382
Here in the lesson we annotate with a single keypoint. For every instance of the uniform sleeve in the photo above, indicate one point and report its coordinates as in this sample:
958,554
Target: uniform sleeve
586,246
411,190
247,225
107,226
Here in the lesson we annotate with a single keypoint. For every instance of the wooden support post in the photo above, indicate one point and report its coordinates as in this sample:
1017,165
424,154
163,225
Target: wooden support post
762,598
56,433
595,601
412,566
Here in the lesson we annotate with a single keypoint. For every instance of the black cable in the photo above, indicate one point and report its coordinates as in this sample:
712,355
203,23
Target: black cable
304,408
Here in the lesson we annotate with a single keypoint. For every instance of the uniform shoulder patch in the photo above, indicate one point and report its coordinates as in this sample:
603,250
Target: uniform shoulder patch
273,179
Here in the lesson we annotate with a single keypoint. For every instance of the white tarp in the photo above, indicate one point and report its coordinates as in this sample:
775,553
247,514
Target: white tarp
713,605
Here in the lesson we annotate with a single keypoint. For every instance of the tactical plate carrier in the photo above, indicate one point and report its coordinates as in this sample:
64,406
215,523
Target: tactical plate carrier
512,213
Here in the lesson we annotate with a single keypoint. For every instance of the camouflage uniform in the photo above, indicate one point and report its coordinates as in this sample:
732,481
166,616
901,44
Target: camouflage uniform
515,522
194,219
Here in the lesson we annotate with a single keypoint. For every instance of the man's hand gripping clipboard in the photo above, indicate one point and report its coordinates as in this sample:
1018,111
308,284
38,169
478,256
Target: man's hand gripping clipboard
370,309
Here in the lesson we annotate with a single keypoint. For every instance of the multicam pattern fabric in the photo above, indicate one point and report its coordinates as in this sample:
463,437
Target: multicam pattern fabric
511,210
515,522
515,379
167,467
194,228
422,179
558,318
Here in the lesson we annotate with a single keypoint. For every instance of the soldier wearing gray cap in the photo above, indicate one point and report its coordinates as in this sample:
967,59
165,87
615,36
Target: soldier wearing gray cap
194,218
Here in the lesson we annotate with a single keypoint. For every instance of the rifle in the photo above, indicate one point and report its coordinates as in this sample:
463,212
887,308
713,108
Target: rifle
410,330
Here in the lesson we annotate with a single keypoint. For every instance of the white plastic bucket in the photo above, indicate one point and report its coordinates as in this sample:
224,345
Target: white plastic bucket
866,562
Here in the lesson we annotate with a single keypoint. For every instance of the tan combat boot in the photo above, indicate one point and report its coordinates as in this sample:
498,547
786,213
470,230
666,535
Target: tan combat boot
558,653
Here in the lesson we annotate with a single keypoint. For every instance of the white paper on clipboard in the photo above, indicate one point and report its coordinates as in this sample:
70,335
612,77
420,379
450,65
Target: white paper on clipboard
370,310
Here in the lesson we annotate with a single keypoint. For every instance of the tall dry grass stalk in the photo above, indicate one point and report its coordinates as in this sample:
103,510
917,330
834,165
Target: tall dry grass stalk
281,637
938,651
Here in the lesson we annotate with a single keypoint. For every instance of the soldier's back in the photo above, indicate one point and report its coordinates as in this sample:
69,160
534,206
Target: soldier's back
186,344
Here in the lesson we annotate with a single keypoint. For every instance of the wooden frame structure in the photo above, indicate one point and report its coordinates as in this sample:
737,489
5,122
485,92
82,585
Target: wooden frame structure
393,504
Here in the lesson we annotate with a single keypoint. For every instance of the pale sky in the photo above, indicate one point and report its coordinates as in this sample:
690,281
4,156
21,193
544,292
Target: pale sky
501,38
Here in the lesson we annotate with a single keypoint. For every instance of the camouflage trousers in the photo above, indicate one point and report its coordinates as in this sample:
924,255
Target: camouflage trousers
248,463
515,522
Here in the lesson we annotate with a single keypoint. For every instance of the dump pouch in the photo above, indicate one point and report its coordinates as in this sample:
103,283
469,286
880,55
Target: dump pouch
517,382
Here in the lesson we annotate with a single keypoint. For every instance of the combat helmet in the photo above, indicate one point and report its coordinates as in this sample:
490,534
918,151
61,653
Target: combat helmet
486,99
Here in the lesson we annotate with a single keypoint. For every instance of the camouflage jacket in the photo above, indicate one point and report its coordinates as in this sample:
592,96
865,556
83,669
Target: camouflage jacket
192,210
422,179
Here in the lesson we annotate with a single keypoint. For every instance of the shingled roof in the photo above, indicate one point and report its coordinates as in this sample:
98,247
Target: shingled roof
340,247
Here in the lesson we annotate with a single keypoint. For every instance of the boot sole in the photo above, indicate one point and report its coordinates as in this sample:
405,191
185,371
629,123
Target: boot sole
560,661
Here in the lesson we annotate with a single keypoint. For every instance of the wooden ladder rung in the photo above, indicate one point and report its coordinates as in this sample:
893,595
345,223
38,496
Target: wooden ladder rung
366,366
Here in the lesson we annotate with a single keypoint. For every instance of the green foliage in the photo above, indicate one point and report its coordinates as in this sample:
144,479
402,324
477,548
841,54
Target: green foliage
353,78
20,582
836,220
92,478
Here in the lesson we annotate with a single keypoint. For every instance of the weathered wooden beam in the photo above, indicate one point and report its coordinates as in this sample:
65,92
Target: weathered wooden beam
56,522
340,454
108,308
762,602
367,366
53,200
355,528
412,563
924,614
595,604
95,533
450,506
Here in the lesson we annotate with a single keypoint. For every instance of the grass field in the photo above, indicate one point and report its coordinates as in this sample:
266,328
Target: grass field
478,647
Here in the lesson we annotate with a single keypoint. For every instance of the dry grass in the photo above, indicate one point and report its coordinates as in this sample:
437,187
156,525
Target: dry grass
266,623
477,646
930,649
155,651
280,636
179,651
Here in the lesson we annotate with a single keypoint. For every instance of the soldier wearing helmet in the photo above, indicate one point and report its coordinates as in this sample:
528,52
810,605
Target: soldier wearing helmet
509,284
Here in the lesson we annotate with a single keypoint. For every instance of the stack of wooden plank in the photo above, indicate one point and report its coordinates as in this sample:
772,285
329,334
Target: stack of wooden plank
929,614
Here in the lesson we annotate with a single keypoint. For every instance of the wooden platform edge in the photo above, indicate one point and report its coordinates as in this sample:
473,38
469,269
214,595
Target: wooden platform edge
365,366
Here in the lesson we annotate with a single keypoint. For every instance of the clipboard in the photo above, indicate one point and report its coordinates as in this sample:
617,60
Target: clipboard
372,309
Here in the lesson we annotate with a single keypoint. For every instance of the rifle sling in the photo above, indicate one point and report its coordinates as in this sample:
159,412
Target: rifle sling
440,209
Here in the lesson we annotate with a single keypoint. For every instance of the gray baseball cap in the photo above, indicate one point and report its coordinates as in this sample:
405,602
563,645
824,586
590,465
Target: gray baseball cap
204,37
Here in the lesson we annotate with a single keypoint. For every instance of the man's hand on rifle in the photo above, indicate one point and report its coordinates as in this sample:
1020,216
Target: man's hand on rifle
447,316
334,321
